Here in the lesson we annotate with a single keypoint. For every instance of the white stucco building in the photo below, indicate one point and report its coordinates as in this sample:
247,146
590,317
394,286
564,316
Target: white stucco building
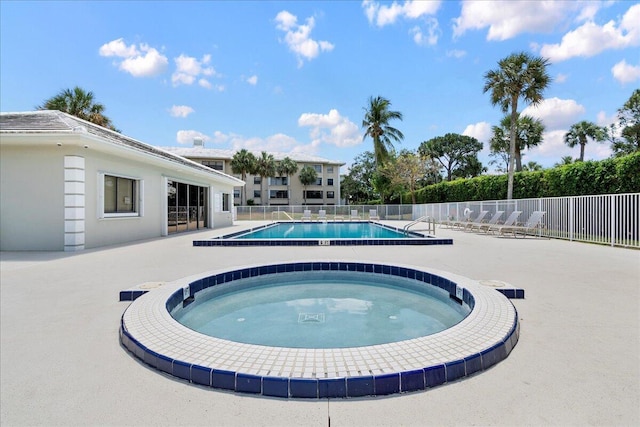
278,190
67,184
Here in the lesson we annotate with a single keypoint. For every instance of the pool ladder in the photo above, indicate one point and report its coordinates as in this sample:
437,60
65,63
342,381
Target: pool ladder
431,224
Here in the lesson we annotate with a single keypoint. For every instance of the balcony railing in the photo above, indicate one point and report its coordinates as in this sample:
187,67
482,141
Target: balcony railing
611,219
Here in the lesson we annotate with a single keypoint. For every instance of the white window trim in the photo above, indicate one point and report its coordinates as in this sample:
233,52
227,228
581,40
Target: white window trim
140,194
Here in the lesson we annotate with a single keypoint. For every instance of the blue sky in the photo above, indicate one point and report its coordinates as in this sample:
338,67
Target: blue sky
295,76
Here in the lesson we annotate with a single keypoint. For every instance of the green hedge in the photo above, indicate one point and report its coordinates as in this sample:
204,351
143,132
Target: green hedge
610,176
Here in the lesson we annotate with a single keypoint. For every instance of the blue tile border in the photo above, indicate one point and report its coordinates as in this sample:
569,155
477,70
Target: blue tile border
356,386
231,239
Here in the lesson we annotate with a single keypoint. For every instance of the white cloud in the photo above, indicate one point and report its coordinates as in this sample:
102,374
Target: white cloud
625,73
555,113
189,69
118,48
253,80
480,131
383,15
141,61
426,34
590,39
331,128
433,33
507,19
561,78
181,110
298,37
456,53
187,136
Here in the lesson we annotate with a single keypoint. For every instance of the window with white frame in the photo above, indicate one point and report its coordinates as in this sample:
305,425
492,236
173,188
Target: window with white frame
318,181
121,196
330,195
318,168
329,181
329,169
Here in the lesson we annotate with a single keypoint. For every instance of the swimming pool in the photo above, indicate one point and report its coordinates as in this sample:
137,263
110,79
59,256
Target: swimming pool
483,338
323,234
326,309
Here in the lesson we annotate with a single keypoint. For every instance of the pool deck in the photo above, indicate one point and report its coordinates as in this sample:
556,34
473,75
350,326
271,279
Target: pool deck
577,361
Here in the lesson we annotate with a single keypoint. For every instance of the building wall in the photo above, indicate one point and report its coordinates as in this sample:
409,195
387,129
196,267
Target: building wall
50,197
32,205
295,186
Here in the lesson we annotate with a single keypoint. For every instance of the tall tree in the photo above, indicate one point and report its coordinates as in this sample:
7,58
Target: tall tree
266,168
376,124
407,170
308,176
528,134
579,133
629,118
518,76
287,167
357,185
79,103
243,162
452,151
566,160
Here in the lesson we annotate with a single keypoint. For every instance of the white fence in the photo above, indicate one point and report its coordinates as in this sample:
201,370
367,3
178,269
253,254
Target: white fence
612,219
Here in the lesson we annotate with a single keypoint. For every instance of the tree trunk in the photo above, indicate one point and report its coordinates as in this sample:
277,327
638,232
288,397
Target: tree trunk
512,146
583,142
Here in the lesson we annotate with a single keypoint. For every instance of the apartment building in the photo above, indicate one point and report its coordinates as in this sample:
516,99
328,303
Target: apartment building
278,190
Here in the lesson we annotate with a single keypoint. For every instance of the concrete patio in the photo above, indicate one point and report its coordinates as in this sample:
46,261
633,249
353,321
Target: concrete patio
577,361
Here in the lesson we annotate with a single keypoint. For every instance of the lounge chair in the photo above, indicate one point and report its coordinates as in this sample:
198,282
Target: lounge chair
509,222
354,215
484,225
450,222
306,215
533,223
468,220
373,214
322,215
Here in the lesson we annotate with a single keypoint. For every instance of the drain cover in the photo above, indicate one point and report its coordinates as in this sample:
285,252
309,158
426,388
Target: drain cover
310,317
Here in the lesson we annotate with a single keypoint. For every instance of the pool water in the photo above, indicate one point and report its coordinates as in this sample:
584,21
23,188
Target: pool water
325,230
321,310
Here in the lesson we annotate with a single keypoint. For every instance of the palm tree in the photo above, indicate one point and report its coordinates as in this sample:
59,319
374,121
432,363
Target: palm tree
266,168
308,176
376,123
79,103
243,162
287,167
528,134
579,132
532,166
520,75
566,160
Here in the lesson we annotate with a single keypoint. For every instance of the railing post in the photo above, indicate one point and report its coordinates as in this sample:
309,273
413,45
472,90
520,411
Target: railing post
613,224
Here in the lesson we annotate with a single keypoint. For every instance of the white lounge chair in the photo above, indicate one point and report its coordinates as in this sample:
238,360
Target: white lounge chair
322,215
468,220
373,214
479,226
450,222
509,222
354,215
533,223
306,215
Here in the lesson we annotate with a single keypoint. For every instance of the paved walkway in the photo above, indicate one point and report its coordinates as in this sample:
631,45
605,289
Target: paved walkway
577,361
